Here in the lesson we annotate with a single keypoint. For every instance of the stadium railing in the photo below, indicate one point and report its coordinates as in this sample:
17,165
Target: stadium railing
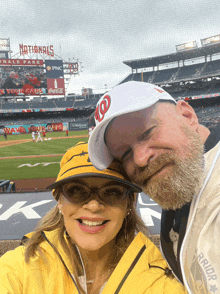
7,186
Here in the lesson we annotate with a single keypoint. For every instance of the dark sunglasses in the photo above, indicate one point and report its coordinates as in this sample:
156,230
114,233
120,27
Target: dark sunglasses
78,193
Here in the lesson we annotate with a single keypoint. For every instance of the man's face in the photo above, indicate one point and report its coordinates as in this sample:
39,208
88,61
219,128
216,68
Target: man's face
160,152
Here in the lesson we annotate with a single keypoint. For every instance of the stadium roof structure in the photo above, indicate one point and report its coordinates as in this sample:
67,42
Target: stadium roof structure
174,57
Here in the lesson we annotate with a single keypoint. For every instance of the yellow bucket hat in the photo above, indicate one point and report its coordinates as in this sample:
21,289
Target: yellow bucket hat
76,164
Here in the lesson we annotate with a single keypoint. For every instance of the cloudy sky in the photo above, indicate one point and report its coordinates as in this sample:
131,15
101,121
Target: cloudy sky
104,33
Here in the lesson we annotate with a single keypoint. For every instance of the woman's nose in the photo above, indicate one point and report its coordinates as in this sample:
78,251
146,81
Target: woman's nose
94,203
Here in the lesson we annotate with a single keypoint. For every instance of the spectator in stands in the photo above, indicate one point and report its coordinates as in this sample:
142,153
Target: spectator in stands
92,241
160,144
11,81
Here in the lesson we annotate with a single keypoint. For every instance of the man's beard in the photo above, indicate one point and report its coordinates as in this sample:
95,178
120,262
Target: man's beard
174,189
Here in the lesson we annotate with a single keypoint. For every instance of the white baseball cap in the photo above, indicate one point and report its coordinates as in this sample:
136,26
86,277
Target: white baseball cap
124,98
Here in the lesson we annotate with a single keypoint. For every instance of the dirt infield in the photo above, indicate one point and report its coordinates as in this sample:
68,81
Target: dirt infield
30,185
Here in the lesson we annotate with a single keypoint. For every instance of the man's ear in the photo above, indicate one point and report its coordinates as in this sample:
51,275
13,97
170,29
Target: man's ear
187,113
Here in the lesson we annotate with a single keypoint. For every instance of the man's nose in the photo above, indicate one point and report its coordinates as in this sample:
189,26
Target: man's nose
142,154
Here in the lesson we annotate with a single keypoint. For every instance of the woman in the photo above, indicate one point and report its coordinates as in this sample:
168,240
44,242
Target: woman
89,243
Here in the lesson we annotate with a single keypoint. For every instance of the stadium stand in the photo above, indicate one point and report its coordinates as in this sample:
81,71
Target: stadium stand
44,105
64,104
212,67
83,103
163,75
193,75
189,71
187,74
19,105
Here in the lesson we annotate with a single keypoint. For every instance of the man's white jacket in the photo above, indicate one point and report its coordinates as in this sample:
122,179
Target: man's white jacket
200,250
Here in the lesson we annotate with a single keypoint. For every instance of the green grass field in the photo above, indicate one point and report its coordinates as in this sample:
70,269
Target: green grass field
55,146
31,168
48,135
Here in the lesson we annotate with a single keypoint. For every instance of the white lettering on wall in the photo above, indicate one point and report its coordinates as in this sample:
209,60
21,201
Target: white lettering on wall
28,211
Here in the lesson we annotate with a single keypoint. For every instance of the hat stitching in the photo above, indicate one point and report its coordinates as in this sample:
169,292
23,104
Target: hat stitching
80,154
111,169
75,168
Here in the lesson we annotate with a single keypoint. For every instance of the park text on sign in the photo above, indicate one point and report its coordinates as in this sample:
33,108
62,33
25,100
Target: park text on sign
22,62
28,49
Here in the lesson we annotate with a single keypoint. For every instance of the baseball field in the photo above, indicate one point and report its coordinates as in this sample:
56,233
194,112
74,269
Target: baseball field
34,165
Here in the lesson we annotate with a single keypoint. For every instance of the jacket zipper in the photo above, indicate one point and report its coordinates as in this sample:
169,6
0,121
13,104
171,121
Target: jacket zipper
57,252
130,269
122,281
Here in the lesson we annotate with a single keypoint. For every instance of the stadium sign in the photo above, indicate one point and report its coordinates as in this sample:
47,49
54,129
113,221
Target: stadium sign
21,62
29,49
73,126
4,45
25,129
210,40
28,77
186,46
54,69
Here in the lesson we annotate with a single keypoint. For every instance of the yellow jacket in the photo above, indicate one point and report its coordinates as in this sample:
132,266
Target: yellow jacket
133,275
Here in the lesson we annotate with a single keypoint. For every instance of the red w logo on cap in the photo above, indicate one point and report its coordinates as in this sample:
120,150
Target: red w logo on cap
102,108
159,90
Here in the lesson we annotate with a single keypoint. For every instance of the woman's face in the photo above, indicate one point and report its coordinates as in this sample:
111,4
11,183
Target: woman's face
84,221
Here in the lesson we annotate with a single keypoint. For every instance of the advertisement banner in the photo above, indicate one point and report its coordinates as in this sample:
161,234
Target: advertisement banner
4,45
21,77
3,55
22,80
55,87
28,129
54,69
186,46
74,126
210,40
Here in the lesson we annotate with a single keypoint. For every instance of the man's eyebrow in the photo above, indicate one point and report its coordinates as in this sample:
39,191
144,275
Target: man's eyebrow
126,153
146,133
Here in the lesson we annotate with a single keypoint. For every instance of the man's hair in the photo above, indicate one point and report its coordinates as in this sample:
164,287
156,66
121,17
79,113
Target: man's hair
166,101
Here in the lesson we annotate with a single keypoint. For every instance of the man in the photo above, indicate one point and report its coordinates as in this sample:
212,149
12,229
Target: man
161,145
33,136
39,136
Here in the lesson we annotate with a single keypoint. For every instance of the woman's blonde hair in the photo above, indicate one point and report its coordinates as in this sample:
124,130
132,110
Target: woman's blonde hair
53,220
76,164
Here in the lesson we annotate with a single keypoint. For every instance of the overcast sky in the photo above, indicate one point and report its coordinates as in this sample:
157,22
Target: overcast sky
104,33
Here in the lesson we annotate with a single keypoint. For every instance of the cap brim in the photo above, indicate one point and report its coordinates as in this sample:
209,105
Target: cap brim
135,188
99,153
